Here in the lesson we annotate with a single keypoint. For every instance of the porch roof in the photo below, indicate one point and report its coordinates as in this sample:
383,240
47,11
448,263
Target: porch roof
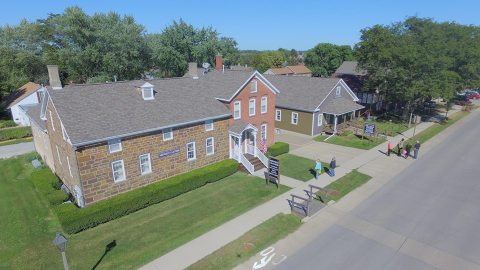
239,126
340,106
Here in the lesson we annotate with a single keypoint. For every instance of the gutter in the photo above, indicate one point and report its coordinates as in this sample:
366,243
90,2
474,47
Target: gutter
76,145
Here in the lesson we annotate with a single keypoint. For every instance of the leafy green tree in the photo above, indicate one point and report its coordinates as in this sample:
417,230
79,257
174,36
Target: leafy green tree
325,58
265,60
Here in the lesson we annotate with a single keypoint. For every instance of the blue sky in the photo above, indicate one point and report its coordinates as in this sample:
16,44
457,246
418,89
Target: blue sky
262,24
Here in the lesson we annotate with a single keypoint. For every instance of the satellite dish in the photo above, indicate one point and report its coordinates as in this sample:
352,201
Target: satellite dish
205,65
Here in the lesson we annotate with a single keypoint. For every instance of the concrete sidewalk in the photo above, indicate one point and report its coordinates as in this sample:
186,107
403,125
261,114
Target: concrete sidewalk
13,150
371,162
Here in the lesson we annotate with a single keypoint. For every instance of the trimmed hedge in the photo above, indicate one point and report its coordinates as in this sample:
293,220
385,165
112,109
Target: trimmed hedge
75,219
278,148
46,183
7,123
15,133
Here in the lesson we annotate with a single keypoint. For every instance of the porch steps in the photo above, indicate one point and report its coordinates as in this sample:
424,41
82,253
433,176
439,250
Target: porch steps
257,164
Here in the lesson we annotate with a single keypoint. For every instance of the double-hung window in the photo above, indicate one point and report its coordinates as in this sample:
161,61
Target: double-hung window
191,154
118,171
237,110
209,146
251,107
167,134
263,103
263,132
338,91
278,115
294,118
208,125
114,146
145,164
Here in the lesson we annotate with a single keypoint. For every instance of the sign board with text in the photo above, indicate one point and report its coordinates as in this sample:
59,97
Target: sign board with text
369,129
273,171
169,153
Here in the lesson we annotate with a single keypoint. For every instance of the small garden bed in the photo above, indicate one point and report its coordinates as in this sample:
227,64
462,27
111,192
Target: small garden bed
351,140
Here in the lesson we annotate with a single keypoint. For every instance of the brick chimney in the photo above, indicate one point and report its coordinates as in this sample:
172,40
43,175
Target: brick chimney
54,77
218,62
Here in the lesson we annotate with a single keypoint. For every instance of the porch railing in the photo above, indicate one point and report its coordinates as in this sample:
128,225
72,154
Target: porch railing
247,164
262,158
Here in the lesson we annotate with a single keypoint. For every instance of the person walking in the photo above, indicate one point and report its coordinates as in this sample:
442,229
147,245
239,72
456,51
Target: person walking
408,148
415,151
318,168
333,165
389,148
400,147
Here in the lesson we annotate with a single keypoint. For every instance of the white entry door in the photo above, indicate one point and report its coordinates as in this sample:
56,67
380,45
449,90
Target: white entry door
236,148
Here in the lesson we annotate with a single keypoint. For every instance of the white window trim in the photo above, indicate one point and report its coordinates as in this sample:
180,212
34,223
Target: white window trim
194,152
112,142
320,119
338,91
261,128
150,89
69,168
124,173
58,155
264,98
278,115
294,113
167,131
207,123
213,146
239,110
51,120
253,86
249,107
149,164
64,132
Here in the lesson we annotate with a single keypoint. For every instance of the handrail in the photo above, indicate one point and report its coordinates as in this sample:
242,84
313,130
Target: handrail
262,157
246,163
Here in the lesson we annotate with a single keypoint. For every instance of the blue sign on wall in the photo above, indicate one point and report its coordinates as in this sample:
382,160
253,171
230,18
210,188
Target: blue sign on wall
169,153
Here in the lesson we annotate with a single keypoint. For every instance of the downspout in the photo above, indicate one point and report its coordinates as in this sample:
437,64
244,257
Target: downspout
79,178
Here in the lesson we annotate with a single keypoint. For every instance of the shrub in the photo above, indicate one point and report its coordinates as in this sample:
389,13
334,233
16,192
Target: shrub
278,148
15,133
46,182
75,219
7,123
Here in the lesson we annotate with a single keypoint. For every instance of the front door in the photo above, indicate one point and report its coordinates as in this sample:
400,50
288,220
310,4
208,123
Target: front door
249,143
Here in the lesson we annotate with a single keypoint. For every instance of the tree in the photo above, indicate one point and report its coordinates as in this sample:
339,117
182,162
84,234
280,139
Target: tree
265,60
325,58
293,57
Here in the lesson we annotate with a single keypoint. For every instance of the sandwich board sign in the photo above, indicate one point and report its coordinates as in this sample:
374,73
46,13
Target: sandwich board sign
273,171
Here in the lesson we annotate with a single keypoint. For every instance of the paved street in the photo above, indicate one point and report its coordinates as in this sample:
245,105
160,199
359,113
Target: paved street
12,150
427,217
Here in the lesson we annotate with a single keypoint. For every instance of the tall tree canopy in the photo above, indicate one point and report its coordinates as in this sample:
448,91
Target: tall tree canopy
181,43
262,61
420,58
325,58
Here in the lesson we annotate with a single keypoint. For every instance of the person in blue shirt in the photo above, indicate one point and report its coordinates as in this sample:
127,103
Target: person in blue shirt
318,168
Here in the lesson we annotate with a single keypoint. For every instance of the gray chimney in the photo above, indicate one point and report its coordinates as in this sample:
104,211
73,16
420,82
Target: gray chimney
54,77
192,70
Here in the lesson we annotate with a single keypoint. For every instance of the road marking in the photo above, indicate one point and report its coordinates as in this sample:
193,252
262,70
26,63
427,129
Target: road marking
267,255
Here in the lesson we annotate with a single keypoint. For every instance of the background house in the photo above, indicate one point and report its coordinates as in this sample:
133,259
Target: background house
18,101
297,70
354,77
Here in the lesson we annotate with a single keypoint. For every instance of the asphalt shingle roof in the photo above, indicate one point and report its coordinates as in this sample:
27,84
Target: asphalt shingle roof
21,93
95,112
340,105
301,93
33,112
350,68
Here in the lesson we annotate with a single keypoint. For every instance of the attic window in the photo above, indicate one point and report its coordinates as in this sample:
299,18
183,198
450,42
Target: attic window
338,91
147,91
253,86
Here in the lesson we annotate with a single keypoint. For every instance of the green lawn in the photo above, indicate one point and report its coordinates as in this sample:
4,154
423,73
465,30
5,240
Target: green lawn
388,128
27,233
351,140
437,128
247,245
299,168
344,185
15,141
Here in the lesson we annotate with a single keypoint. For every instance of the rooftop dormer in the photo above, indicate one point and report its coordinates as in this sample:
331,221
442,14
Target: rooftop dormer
147,91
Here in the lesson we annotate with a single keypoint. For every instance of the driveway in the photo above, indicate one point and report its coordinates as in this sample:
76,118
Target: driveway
12,150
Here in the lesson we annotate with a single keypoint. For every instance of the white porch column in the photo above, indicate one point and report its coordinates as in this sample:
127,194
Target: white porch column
335,124
254,133
230,145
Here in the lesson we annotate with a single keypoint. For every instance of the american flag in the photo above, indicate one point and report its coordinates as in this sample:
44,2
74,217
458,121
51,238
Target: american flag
264,146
